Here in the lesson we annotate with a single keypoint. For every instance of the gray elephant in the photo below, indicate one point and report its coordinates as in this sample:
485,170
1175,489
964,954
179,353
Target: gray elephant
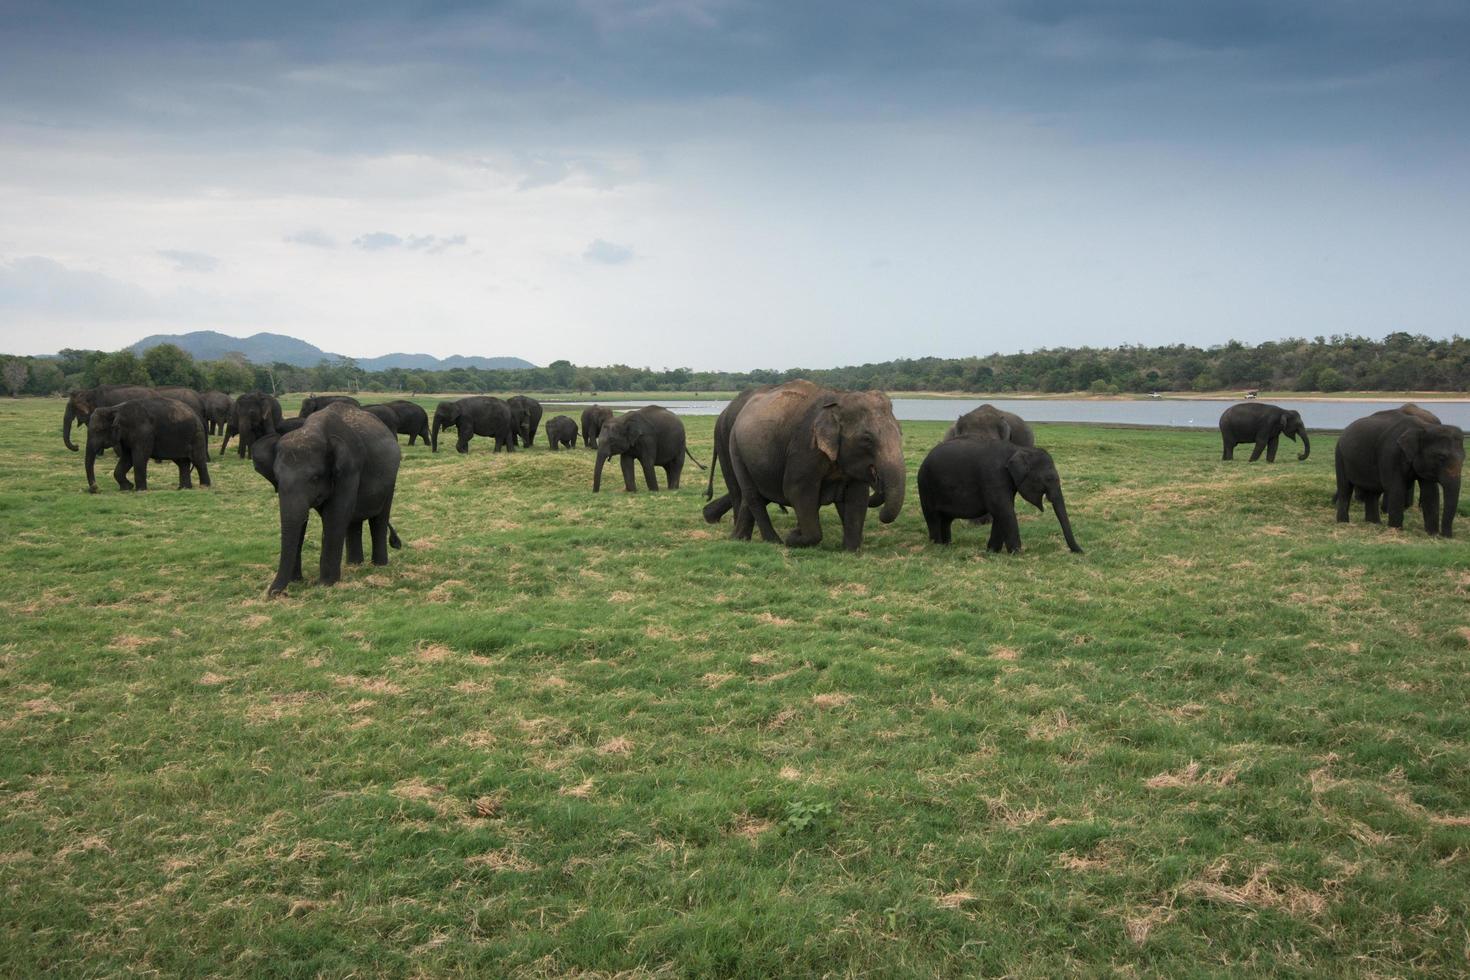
403,418
1385,453
478,415
81,403
970,477
989,422
343,463
254,415
653,436
315,403
147,428
594,417
525,417
805,446
217,407
561,432
1264,425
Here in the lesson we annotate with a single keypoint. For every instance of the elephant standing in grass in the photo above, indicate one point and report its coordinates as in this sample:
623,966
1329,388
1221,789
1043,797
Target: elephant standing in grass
1385,453
653,436
594,417
525,416
143,429
315,403
970,477
1264,425
82,403
404,418
217,407
478,415
342,463
561,432
804,446
989,422
255,415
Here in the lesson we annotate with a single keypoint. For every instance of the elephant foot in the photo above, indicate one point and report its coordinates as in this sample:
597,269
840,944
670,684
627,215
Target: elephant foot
796,539
92,488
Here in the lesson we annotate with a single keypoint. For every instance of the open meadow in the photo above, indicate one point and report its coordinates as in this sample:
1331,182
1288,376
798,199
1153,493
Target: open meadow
566,734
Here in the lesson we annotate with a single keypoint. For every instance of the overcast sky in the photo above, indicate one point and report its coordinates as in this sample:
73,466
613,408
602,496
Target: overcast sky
732,184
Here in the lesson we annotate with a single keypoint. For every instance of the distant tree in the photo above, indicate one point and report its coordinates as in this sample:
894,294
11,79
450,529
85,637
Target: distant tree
46,378
15,372
168,364
414,383
122,368
561,375
1330,380
228,376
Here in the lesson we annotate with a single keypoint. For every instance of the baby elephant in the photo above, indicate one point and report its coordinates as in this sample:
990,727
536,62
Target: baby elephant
342,463
144,429
562,432
970,477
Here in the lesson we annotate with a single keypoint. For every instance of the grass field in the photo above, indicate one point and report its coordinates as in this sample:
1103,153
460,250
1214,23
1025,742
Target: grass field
565,734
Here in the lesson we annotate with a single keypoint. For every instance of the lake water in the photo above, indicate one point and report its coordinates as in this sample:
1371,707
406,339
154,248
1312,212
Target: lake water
1182,413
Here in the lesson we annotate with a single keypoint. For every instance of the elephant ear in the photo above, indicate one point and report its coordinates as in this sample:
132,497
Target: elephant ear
1408,440
1005,431
827,431
1019,467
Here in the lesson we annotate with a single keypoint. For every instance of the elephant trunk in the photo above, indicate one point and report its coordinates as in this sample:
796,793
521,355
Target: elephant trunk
1306,446
230,430
71,416
1059,506
597,473
891,480
293,523
434,435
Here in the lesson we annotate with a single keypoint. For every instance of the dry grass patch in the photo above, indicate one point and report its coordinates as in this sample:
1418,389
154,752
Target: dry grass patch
582,790
1005,653
434,653
954,900
1190,776
369,685
443,592
751,827
212,679
770,619
1257,891
504,859
615,746
832,699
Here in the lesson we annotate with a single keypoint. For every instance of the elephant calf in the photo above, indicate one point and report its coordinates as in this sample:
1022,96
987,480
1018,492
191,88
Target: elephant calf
1263,425
971,477
653,436
594,417
143,429
562,432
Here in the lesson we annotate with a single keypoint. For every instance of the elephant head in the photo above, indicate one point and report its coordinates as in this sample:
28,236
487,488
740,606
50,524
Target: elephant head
103,432
860,438
1437,455
446,415
79,408
1291,426
615,439
1035,478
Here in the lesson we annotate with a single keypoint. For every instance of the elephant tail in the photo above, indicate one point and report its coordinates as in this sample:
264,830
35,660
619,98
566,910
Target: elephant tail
709,490
393,539
697,462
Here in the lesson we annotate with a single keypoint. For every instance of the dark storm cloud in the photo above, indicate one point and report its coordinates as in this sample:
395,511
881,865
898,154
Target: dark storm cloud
384,75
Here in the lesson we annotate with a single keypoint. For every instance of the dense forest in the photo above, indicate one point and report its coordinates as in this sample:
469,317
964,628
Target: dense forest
1398,362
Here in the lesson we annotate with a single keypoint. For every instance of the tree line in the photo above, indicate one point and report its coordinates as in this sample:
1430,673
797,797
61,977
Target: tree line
1399,362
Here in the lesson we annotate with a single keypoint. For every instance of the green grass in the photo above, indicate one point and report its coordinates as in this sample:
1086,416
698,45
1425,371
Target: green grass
566,734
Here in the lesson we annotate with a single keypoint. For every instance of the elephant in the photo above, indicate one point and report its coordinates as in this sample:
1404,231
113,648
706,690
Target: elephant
971,477
342,463
315,403
255,414
1384,453
562,432
525,414
989,422
1264,425
1424,416
594,417
217,407
147,428
802,445
403,418
478,415
652,435
81,403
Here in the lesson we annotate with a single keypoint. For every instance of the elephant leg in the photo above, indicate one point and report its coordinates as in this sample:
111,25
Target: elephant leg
650,476
296,575
354,543
749,500
462,444
185,481
1393,502
630,482
673,471
334,536
1429,506
1344,498
1271,448
854,509
1229,451
378,526
808,506
1260,448
120,471
201,463
140,466
1370,508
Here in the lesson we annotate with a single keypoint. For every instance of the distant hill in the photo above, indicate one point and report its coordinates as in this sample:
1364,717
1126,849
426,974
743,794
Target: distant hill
268,348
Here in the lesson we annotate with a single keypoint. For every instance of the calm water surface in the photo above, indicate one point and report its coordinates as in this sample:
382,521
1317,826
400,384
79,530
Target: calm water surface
1184,413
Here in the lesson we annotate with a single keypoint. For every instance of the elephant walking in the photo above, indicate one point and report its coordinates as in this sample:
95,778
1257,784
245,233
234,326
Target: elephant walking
525,413
342,463
403,418
80,404
561,432
147,428
594,417
478,415
1264,425
805,446
254,416
653,436
971,477
1385,453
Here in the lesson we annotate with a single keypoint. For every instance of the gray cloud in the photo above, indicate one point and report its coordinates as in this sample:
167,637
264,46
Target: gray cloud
377,241
185,261
607,253
314,237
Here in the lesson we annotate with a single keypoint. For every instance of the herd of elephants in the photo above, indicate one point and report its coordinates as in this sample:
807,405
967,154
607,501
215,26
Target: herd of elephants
798,445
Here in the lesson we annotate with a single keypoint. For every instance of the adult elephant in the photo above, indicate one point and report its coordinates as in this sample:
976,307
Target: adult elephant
217,406
404,418
989,422
254,416
1264,425
804,446
970,477
188,396
653,436
594,417
478,415
561,432
147,428
525,414
315,403
1385,453
80,404
342,463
